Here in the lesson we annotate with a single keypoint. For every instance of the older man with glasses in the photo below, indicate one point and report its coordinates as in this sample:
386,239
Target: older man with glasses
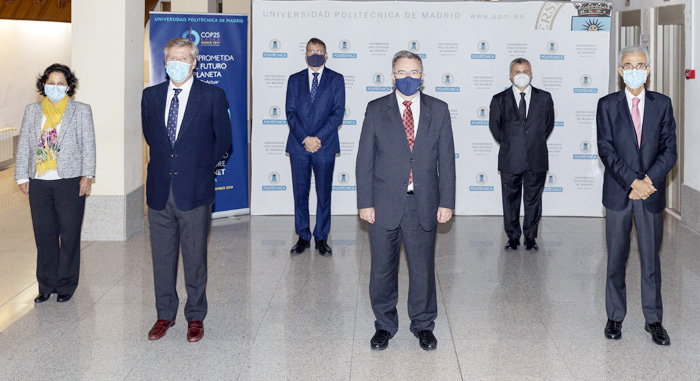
406,137
315,107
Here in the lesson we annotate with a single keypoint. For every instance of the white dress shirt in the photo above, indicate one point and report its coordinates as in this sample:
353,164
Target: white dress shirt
181,98
642,97
311,76
51,174
415,110
528,93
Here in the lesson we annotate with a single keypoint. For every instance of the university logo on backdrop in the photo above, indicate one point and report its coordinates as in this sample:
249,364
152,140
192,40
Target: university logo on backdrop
346,118
483,48
586,81
274,179
551,49
414,47
482,117
447,84
344,47
550,182
377,83
275,46
275,112
343,180
482,180
592,17
585,148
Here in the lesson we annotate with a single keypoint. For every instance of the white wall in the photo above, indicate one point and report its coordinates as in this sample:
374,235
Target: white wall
28,48
691,170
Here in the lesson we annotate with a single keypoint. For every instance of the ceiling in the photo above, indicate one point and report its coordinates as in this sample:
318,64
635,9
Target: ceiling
47,10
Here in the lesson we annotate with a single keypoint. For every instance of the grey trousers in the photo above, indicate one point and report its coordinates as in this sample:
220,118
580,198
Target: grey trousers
172,229
384,274
650,227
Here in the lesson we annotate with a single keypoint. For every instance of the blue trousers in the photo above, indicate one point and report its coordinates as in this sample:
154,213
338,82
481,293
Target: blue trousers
322,166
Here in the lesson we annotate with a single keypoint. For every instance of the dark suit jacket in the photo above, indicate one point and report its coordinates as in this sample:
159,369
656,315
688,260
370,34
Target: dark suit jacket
320,118
523,142
384,162
624,161
204,138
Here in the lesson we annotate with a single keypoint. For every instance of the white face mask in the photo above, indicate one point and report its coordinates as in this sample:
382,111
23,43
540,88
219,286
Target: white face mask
521,80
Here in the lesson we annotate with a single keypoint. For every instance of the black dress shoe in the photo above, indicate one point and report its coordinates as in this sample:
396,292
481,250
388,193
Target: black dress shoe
658,333
41,298
427,340
531,244
300,246
323,248
613,330
380,340
63,298
512,244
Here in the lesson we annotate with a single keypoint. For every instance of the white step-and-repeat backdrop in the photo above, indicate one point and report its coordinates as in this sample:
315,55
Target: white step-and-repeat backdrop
466,49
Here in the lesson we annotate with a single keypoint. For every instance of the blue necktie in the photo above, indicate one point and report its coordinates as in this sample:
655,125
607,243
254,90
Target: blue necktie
172,118
314,87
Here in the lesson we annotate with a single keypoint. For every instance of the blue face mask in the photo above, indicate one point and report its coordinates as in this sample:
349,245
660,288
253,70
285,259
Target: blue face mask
634,78
408,86
178,71
316,60
55,92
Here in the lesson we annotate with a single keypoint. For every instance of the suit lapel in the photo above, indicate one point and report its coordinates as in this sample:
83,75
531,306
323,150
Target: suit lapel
65,121
649,110
322,85
514,104
424,119
38,122
191,108
624,110
396,121
161,99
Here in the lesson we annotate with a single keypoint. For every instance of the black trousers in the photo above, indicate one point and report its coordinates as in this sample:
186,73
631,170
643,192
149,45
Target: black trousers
172,229
513,185
57,217
384,274
650,230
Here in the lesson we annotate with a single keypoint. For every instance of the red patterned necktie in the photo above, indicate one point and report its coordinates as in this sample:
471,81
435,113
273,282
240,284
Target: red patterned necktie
408,126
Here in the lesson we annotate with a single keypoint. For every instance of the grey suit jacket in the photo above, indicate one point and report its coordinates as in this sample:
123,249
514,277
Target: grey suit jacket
76,142
384,162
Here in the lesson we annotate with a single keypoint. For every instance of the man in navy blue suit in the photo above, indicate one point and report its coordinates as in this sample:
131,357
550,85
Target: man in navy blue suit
315,107
637,145
187,127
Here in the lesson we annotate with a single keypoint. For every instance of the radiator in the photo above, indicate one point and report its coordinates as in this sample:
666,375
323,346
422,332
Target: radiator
6,144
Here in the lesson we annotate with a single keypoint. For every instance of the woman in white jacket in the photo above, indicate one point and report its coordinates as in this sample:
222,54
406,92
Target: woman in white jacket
54,167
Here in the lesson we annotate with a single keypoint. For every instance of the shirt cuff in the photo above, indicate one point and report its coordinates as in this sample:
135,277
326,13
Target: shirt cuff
22,181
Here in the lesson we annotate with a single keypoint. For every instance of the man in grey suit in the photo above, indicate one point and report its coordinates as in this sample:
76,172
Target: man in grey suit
405,185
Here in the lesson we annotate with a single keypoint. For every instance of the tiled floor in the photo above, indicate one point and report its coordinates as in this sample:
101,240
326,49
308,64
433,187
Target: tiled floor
502,315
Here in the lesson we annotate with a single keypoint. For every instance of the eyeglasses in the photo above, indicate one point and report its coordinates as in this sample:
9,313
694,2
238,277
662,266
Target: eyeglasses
639,66
404,74
316,51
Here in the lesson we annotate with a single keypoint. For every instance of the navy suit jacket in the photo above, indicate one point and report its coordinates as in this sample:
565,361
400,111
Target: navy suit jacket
320,118
523,142
624,160
204,138
385,160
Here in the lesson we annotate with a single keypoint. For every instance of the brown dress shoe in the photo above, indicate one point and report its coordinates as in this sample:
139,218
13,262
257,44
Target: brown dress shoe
159,329
195,331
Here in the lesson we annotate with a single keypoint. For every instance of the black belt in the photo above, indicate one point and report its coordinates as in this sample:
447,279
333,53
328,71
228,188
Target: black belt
410,193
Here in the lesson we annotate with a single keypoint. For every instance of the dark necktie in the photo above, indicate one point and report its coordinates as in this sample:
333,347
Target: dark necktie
408,126
172,118
522,107
314,87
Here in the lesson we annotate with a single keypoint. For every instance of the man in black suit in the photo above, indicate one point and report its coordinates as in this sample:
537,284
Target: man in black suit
637,145
405,185
315,106
521,119
186,125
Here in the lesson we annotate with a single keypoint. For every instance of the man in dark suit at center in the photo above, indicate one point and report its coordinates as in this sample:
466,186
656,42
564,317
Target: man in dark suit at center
521,119
187,127
405,186
315,107
637,145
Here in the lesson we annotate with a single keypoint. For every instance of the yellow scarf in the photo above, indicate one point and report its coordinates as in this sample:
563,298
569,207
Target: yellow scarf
48,142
